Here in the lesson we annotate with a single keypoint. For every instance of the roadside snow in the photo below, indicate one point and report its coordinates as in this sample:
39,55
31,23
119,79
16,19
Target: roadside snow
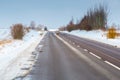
16,57
97,35
4,34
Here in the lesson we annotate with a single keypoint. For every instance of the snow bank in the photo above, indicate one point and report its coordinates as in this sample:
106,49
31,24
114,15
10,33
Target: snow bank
15,56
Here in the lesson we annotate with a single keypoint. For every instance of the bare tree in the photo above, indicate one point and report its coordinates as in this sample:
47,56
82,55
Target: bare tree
32,25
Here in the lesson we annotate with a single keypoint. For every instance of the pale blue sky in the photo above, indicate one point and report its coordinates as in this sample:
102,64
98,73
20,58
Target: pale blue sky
52,13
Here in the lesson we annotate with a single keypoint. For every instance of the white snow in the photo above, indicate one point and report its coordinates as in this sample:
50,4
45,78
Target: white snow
16,57
4,34
53,30
97,35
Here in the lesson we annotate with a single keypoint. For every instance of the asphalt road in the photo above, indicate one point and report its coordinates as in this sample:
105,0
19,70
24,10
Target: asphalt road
57,61
105,51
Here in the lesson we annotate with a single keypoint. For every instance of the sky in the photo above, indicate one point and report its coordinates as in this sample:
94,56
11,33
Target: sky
52,13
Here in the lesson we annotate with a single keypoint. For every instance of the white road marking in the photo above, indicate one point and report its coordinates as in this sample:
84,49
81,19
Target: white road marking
85,50
95,55
112,65
78,46
89,61
73,43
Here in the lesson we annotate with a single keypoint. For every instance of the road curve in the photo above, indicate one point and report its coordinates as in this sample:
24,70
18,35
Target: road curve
56,61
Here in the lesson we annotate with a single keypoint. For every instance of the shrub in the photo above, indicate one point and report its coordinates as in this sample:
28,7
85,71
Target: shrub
71,26
112,33
17,31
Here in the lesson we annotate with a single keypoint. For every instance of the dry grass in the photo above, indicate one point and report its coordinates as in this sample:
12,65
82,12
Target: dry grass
3,42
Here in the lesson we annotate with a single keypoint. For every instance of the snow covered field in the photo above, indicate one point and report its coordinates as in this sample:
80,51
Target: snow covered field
15,56
97,35
4,34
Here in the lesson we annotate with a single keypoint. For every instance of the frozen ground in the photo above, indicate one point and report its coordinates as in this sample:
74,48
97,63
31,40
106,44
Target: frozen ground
97,35
15,57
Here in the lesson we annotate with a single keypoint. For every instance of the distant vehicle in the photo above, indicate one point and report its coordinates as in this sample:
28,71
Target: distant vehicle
57,32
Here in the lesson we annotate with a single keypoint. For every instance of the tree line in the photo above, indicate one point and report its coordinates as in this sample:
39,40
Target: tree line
95,18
